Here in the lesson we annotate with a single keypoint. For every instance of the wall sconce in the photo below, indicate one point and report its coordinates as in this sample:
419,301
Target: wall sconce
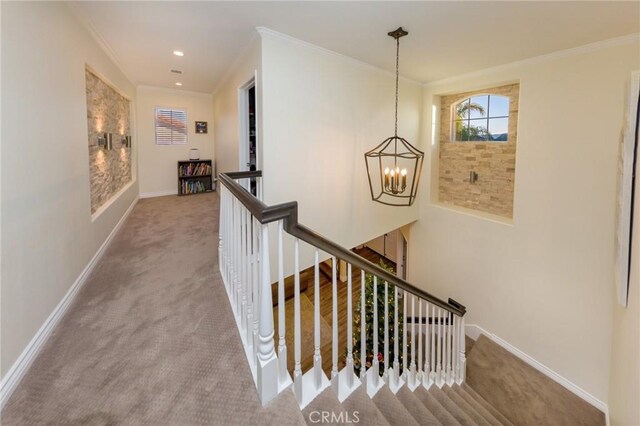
126,141
102,140
109,138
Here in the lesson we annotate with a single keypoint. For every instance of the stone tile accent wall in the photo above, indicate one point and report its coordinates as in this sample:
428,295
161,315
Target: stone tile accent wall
107,111
494,162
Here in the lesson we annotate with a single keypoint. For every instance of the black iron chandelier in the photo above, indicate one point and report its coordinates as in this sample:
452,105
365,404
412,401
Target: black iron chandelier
394,166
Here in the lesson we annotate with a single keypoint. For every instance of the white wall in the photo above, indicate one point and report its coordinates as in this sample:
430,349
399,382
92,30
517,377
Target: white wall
624,390
158,163
321,113
48,236
544,283
225,108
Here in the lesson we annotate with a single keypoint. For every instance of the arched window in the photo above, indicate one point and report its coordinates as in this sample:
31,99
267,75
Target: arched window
481,118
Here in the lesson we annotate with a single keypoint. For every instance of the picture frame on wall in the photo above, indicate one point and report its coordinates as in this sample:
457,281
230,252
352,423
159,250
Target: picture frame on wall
201,127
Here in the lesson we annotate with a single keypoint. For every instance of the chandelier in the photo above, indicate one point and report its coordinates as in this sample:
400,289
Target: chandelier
394,166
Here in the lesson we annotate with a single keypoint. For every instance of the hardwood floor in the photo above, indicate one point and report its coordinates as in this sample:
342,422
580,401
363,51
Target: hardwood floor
326,311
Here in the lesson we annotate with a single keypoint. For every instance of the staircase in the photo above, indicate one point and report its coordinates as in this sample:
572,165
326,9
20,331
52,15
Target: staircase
456,405
411,362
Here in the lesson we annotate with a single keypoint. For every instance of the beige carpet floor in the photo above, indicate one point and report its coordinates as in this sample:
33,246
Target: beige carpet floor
524,395
150,338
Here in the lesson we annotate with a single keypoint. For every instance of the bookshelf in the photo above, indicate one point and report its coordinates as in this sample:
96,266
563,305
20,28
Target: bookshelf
195,177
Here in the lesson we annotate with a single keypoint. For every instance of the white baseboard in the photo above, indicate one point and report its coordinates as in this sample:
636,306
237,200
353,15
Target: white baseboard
20,367
474,331
159,193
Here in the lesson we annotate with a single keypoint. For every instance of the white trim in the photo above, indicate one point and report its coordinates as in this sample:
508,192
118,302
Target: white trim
86,22
110,201
591,47
474,331
235,64
154,194
20,367
263,31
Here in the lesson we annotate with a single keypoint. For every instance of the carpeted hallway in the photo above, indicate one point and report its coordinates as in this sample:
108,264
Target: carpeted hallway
150,339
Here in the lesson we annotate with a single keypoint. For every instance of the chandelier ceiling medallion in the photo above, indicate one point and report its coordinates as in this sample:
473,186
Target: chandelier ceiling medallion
394,166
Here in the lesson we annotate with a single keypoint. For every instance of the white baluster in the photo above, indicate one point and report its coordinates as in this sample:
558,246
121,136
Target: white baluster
317,356
376,362
449,340
411,381
221,232
373,381
439,380
282,344
256,286
297,370
405,360
426,376
432,374
386,332
420,365
334,325
239,261
249,284
243,272
267,367
462,369
395,382
234,255
454,350
350,375
363,326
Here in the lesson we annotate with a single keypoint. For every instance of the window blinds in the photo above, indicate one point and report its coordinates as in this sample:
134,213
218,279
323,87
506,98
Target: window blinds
171,126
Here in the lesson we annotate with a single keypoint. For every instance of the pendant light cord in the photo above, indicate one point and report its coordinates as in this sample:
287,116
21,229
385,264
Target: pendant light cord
397,74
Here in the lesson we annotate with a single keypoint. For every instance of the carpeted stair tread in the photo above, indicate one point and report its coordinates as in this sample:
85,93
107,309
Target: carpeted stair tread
416,408
490,408
463,418
327,401
368,413
435,407
521,393
467,407
392,408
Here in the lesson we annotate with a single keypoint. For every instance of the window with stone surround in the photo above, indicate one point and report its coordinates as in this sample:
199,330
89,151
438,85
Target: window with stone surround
479,175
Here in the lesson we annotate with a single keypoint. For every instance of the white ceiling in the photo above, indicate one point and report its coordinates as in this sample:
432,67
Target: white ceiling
446,38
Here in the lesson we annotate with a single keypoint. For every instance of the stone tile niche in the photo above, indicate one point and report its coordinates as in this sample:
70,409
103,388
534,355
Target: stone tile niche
107,112
494,162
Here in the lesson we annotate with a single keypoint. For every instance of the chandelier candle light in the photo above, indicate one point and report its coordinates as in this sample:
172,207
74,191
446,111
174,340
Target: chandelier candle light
395,161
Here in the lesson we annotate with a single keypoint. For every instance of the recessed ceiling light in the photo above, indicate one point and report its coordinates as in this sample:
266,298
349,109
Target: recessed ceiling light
178,84
176,71
178,53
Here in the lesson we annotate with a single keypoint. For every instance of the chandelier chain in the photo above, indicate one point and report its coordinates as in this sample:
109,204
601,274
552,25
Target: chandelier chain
397,77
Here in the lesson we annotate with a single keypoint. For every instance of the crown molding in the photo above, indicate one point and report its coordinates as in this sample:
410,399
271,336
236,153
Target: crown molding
267,32
88,25
586,48
236,63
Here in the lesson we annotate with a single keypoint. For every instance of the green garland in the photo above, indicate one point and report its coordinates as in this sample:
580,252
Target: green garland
381,323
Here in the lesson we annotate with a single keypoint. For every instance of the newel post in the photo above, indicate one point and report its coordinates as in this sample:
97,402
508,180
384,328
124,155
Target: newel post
267,368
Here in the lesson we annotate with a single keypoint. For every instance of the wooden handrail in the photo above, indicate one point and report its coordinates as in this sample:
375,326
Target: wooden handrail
288,212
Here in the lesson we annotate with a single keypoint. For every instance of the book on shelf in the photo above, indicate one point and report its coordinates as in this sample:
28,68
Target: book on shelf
194,169
193,187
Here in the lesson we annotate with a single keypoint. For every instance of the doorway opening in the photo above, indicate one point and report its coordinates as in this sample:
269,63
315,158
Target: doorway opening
248,154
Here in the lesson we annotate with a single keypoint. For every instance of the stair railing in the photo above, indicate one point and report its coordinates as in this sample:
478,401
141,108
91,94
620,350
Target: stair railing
436,335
